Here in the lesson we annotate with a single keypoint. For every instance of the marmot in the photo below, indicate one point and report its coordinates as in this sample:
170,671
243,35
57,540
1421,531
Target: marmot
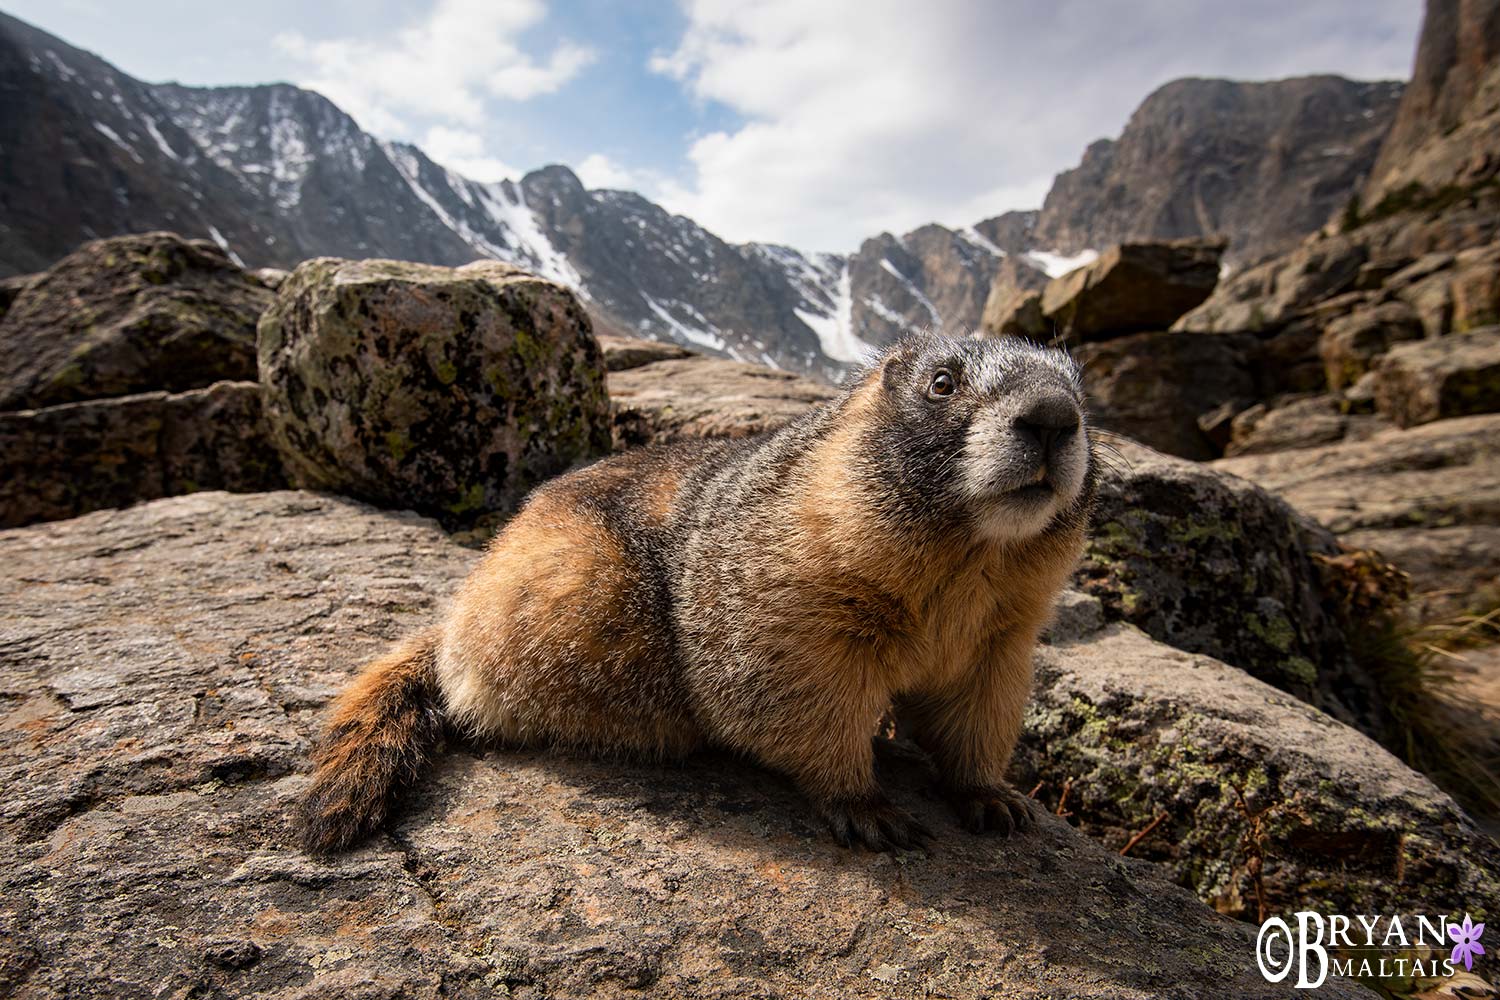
775,595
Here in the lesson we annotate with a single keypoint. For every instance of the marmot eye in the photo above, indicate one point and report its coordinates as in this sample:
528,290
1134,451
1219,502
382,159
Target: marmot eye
943,384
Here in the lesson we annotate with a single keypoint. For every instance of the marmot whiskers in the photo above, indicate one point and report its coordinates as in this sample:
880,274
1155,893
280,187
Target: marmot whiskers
903,546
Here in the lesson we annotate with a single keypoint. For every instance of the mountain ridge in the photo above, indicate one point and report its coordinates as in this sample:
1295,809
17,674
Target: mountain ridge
276,174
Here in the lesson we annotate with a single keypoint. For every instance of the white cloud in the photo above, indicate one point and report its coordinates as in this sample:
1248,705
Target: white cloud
444,68
463,150
861,115
600,171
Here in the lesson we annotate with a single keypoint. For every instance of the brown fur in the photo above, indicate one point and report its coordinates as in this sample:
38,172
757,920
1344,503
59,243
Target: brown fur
379,735
760,596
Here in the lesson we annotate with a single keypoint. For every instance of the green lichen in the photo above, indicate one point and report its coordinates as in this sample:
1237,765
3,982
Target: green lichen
1275,631
398,444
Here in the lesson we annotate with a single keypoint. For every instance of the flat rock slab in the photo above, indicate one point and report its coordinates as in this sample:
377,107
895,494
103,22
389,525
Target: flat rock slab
1132,287
161,669
624,353
1427,497
698,397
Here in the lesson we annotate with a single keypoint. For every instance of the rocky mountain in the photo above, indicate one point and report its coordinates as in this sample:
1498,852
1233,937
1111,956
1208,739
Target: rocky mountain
1260,163
276,174
1449,122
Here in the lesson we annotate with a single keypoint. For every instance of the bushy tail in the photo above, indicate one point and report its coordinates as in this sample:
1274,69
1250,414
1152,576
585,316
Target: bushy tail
382,730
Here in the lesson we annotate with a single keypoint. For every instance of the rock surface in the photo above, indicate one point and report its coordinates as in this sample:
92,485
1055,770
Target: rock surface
125,315
1153,387
1272,294
1014,304
1299,422
163,673
1427,498
1215,564
1350,343
622,353
11,287
1449,115
451,392
1261,804
700,397
1131,287
1453,376
69,459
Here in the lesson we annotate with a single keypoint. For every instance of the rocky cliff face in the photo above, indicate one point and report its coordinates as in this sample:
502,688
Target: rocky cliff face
1450,114
1260,163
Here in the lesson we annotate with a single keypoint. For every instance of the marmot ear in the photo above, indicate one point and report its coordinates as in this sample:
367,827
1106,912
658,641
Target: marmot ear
895,367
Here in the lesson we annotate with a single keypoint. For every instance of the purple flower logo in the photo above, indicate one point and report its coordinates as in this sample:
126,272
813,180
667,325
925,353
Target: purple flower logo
1466,942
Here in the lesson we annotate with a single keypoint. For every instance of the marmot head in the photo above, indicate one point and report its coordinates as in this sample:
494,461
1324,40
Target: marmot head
984,434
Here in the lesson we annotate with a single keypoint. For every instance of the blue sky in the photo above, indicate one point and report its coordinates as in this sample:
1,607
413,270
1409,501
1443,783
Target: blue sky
809,122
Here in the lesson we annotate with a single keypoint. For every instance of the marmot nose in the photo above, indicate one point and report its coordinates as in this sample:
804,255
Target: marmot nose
1048,420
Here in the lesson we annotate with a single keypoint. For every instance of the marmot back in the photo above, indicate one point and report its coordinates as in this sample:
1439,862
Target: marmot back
775,595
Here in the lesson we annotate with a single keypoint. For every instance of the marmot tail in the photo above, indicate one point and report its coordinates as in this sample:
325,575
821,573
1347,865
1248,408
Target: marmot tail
380,734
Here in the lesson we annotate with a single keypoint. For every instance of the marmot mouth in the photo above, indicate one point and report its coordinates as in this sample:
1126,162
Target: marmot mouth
1030,493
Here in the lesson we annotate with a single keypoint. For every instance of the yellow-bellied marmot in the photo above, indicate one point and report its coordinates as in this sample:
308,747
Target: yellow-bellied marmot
774,595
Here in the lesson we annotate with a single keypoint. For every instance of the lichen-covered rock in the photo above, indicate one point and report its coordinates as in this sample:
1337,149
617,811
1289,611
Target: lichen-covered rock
450,391
1132,287
1154,386
622,353
1214,564
701,397
1261,804
66,460
1427,498
1453,376
127,315
163,675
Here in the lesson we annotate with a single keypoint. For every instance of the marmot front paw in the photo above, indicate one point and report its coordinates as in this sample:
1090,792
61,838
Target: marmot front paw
874,822
993,809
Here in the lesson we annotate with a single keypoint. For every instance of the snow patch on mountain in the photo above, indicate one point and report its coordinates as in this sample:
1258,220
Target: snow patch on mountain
218,238
114,137
683,332
978,239
161,140
505,202
835,330
291,159
1056,265
916,293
